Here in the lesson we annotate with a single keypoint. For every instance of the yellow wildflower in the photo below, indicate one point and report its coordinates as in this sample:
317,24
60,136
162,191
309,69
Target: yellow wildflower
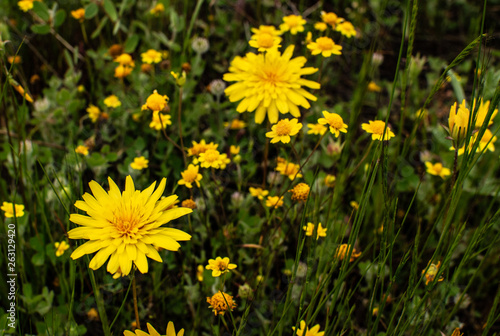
157,9
457,332
289,169
78,14
274,201
431,273
152,331
293,23
437,169
139,163
25,5
458,122
200,147
304,331
346,28
60,248
156,102
218,303
160,121
14,59
151,56
189,203
190,176
212,158
112,101
482,112
300,192
324,46
234,150
335,122
373,87
199,273
331,18
321,26
125,60
93,112
317,129
84,150
283,130
235,124
310,230
376,128
265,41
122,71
330,180
258,192
10,208
342,250
220,266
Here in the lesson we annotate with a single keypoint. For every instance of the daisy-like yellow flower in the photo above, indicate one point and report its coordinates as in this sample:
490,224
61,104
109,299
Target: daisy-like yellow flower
437,169
331,18
200,147
487,141
126,227
265,41
160,121
342,250
151,56
321,26
431,273
373,87
335,122
346,28
269,84
317,129
300,192
112,101
9,208
152,331
125,60
199,273
283,130
293,23
274,201
289,169
84,150
122,71
235,124
157,9
220,266
218,303
458,121
376,128
78,14
309,229
258,192
25,5
305,331
482,112
234,150
60,248
93,112
190,176
212,158
139,163
324,46
265,30
156,102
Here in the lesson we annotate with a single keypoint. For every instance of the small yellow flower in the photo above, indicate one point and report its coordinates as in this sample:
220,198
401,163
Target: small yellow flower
283,130
160,121
376,128
218,303
437,169
9,208
331,18
190,176
60,248
152,331
156,10
189,203
431,273
324,46
199,273
342,250
300,192
235,124
92,314
310,230
25,5
304,331
200,147
265,30
373,87
14,59
487,141
234,150
112,101
122,71
156,102
482,112
139,163
321,26
125,60
258,192
289,169
220,266
293,23
84,150
78,14
265,41
317,129
274,201
212,158
330,180
93,112
180,79
458,122
354,204
335,122
346,28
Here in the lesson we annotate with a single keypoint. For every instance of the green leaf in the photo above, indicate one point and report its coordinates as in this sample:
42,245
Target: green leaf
59,17
91,10
41,29
131,43
41,9
109,7
164,40
177,22
99,28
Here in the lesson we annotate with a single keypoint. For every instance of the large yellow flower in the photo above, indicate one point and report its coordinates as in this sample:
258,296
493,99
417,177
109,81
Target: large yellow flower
126,226
152,331
268,83
305,331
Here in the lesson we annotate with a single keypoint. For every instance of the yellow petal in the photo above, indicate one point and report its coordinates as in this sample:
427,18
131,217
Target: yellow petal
141,262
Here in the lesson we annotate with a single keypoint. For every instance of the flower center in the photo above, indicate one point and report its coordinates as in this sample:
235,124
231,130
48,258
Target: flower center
190,175
283,128
378,127
265,40
127,226
335,121
325,43
221,266
293,21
